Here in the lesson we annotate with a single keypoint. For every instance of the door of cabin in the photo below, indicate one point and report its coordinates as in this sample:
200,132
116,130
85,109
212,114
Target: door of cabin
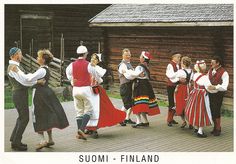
35,33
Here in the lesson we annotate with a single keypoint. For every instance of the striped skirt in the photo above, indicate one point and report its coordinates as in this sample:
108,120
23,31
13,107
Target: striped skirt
144,98
197,109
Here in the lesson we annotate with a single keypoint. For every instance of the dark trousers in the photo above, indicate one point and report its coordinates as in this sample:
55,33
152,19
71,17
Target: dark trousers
126,95
216,100
20,100
170,92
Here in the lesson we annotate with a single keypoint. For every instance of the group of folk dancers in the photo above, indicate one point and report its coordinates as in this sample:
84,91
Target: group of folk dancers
199,105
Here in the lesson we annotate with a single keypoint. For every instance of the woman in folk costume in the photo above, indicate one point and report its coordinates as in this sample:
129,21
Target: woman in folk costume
183,88
144,99
197,109
48,112
105,114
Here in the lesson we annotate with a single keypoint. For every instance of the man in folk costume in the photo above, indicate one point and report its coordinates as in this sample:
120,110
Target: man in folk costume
79,73
220,80
126,85
20,99
171,73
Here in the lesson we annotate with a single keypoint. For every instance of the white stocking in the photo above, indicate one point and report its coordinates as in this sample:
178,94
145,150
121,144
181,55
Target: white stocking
128,113
144,115
200,130
41,136
138,117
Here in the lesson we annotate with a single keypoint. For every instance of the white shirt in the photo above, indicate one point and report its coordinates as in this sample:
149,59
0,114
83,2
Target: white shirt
225,82
171,74
20,76
96,71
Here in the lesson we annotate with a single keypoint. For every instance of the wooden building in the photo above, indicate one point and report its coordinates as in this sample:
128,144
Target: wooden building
32,27
199,31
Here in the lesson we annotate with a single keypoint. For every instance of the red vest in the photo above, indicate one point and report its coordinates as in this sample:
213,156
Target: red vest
216,78
80,73
174,65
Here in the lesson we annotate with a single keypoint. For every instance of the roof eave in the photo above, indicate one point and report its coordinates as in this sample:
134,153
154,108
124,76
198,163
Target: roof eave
162,24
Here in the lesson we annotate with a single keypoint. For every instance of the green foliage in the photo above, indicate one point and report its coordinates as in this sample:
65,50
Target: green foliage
227,113
8,103
113,94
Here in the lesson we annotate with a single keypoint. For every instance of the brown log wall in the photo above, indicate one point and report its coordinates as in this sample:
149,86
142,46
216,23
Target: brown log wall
196,42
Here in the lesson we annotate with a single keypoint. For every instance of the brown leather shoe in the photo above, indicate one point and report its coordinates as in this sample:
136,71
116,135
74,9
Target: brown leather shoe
183,124
41,145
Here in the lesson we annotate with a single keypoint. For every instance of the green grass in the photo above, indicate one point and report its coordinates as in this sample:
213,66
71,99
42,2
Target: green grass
117,95
8,103
113,94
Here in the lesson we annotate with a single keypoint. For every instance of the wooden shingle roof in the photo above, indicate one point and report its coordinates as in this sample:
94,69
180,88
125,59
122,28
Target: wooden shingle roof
164,14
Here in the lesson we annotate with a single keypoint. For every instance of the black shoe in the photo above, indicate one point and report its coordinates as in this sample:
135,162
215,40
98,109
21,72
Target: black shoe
174,122
14,145
190,126
129,121
94,134
212,132
137,125
146,124
195,130
169,124
122,124
201,135
183,124
88,132
18,147
217,132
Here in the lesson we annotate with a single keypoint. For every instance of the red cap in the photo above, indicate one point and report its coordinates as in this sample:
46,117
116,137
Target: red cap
147,55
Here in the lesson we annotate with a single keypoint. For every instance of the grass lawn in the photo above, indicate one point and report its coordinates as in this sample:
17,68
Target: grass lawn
8,104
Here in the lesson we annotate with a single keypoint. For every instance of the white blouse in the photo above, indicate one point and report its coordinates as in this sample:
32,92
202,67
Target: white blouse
181,73
203,81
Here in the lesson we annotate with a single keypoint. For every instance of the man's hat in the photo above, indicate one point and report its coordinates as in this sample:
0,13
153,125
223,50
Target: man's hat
13,51
81,49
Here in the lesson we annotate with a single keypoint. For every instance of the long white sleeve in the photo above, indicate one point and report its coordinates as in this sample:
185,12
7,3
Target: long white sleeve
225,82
128,73
171,74
20,77
101,71
94,73
69,72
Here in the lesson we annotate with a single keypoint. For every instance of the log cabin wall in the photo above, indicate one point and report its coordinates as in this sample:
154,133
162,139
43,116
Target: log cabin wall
195,42
71,20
